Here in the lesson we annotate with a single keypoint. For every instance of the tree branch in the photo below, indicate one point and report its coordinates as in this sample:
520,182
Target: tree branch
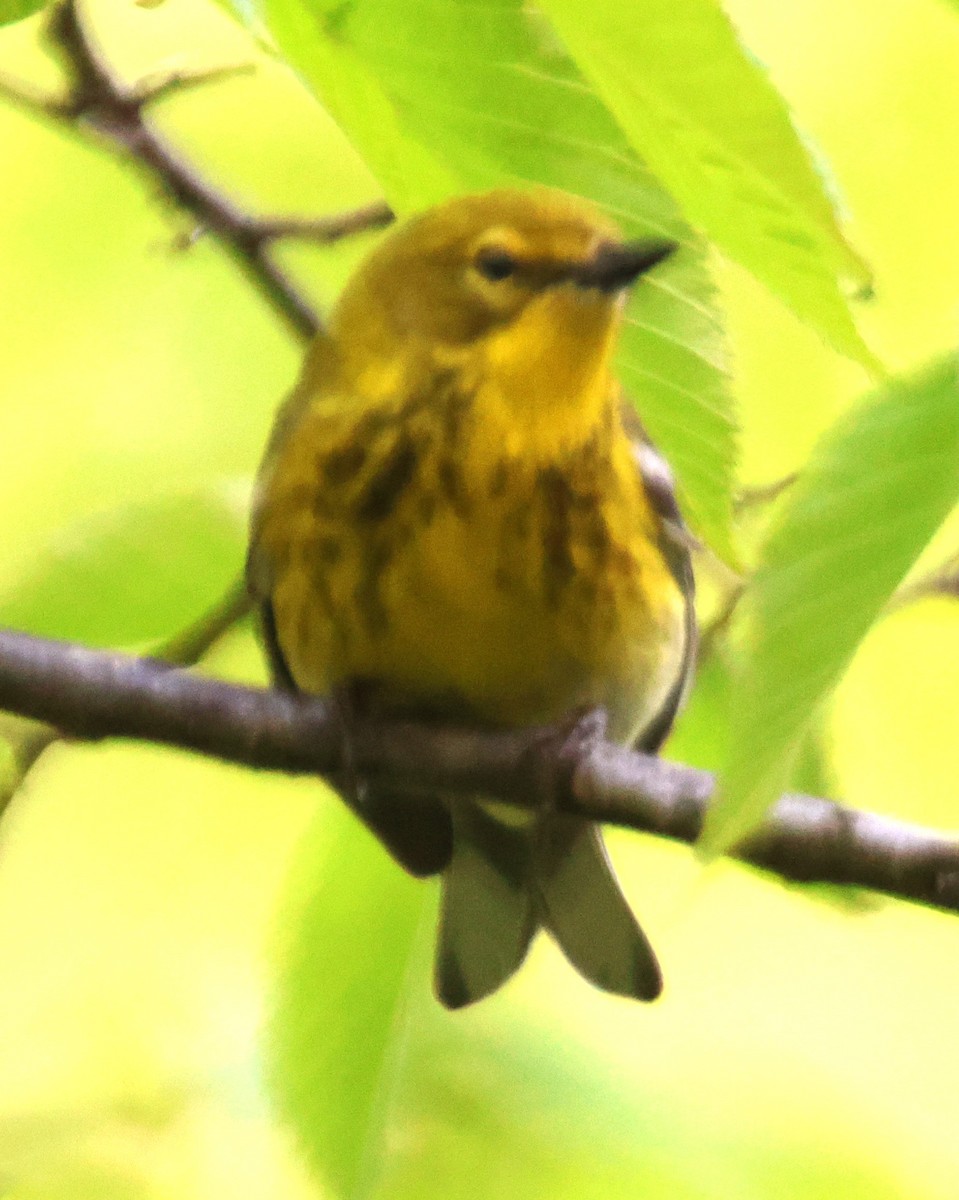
93,694
185,649
99,103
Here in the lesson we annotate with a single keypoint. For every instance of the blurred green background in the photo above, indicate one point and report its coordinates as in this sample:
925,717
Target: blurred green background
806,1045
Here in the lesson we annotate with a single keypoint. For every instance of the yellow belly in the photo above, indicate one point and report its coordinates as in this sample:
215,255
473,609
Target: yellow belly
481,609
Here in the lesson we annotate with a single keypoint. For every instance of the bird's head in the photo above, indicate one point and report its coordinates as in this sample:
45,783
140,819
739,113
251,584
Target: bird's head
533,276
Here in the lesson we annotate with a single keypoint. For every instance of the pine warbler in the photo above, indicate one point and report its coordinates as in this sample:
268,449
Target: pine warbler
460,517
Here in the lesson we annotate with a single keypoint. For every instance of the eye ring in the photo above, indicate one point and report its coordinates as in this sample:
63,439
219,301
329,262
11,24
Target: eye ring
495,264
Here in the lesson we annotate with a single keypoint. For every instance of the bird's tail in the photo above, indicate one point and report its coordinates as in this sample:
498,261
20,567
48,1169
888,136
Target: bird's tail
504,881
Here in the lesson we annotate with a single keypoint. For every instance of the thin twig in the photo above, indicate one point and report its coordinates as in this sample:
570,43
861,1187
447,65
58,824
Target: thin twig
766,493
99,103
328,229
157,85
192,644
718,626
92,694
28,97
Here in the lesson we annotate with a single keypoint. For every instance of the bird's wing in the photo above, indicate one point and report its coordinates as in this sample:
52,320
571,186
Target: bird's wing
259,569
416,830
259,573
676,544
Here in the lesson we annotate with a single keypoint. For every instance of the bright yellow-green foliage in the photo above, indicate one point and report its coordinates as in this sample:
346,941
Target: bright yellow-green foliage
452,507
802,1049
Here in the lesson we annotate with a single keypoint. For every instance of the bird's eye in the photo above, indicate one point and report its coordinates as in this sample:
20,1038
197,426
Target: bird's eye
495,264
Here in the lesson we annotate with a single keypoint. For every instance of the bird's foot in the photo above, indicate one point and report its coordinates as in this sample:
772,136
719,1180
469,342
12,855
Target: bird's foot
558,750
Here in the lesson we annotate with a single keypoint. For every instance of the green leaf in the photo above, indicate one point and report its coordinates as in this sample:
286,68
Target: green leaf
496,1103
351,92
812,771
701,735
706,119
133,576
336,1039
875,491
462,97
19,10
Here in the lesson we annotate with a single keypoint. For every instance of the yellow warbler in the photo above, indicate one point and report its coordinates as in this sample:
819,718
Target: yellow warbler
458,516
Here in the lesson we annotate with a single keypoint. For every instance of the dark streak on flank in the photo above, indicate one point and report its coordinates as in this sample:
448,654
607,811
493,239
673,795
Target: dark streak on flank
590,472
499,479
344,463
386,485
328,550
452,486
412,406
371,424
557,502
598,537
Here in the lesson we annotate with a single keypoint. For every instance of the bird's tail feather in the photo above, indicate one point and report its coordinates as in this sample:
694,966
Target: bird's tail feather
487,914
582,906
504,881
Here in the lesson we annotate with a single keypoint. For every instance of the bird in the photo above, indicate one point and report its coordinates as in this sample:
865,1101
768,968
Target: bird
459,516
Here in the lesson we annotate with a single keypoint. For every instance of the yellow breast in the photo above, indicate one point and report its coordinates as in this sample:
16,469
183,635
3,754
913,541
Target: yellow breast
410,544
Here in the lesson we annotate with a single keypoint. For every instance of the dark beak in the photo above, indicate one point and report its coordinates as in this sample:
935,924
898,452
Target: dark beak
614,267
